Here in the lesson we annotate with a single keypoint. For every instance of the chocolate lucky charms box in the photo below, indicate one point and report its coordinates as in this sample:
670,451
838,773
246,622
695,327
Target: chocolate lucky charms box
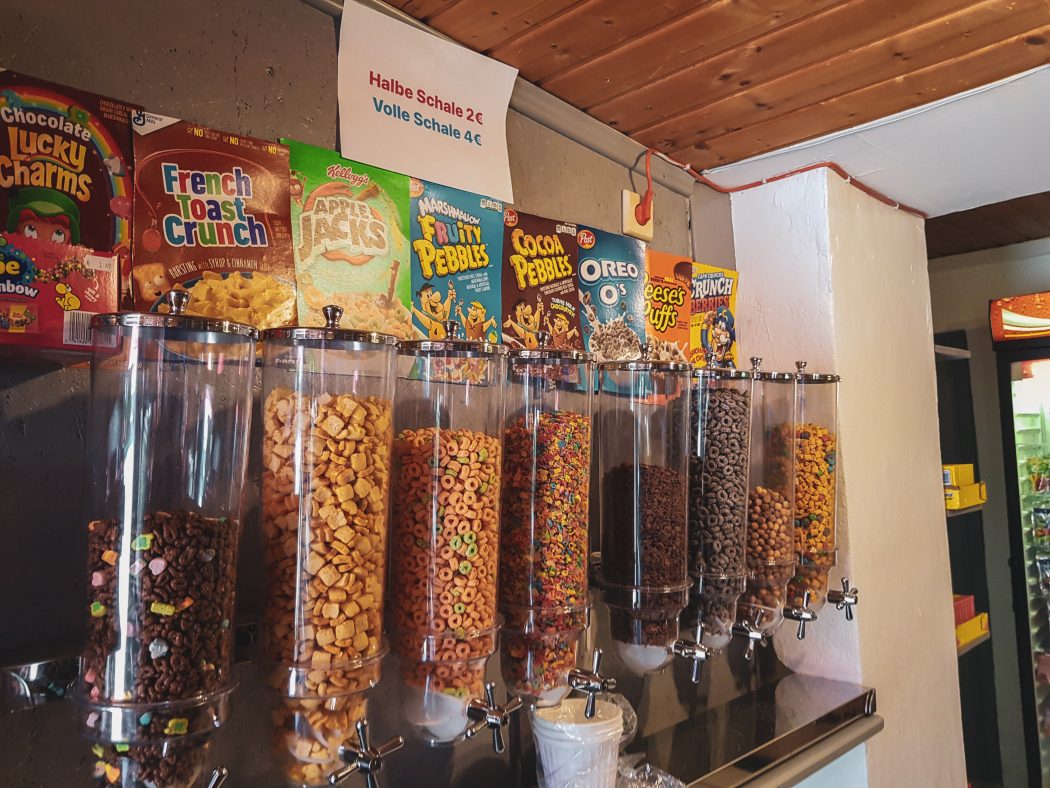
65,212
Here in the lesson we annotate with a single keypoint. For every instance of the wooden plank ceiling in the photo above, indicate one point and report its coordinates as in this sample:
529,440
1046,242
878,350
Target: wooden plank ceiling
998,224
711,82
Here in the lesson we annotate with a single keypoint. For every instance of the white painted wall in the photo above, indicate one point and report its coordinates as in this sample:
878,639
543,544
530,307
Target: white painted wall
835,277
960,288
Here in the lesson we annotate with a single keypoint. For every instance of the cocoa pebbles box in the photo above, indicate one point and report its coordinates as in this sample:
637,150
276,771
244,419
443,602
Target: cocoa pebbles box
713,316
457,243
350,241
539,281
65,213
212,218
668,299
612,294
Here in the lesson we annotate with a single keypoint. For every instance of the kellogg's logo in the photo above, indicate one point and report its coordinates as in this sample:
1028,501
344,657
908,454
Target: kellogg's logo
586,239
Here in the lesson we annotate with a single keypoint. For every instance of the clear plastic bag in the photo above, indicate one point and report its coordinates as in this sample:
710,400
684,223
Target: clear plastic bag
632,775
573,751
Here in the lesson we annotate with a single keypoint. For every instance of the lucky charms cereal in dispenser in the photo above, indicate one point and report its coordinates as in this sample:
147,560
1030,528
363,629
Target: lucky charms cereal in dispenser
539,282
445,531
327,438
612,294
457,245
65,213
350,241
543,542
211,219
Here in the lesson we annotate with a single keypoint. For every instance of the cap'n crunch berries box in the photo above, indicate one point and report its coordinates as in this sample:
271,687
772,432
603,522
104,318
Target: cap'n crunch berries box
65,213
212,218
668,298
350,239
713,320
457,245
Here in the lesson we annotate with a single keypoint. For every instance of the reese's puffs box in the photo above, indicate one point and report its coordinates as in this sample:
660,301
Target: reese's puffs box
211,218
457,243
713,320
65,213
540,289
668,299
350,240
612,294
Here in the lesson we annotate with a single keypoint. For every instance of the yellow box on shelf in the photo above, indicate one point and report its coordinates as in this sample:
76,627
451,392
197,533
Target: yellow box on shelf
957,475
970,631
965,496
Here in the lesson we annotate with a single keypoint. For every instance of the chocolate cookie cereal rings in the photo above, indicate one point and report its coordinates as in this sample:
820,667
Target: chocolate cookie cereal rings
445,528
168,434
326,449
643,417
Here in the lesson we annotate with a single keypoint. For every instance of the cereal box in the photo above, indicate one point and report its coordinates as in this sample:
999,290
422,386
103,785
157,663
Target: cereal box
350,236
457,244
211,218
713,320
668,296
65,213
612,294
539,281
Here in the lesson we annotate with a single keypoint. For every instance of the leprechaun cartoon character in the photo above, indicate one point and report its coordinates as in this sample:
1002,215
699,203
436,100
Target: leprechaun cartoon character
45,215
433,311
474,321
718,335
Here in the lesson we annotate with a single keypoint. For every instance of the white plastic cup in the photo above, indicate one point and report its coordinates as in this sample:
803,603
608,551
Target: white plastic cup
573,751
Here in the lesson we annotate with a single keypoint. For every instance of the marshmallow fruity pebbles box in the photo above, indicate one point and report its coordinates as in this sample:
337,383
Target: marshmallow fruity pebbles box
457,242
65,211
350,240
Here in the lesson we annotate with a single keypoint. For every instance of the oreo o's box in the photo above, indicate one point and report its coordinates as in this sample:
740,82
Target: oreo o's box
457,244
65,213
611,270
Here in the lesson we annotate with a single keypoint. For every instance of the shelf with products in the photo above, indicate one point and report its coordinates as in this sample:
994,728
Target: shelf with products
948,353
971,633
961,512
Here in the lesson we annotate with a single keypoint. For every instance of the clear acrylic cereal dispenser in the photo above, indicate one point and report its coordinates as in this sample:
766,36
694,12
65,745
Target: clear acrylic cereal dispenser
171,405
448,419
543,593
326,449
643,413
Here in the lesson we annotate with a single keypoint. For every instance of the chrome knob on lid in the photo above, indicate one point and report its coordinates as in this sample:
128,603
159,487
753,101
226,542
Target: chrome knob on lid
694,650
332,315
365,758
845,599
591,682
218,777
451,329
176,301
486,714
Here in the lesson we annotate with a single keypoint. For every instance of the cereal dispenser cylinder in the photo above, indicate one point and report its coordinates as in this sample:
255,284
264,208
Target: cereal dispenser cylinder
168,429
448,419
643,418
771,499
326,448
543,542
816,484
719,447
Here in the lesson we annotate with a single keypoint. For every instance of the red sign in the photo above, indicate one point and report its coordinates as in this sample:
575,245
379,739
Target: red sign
1020,317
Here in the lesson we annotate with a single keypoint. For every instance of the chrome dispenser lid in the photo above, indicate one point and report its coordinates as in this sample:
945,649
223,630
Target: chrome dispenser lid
760,374
176,301
544,352
329,332
646,363
813,377
451,344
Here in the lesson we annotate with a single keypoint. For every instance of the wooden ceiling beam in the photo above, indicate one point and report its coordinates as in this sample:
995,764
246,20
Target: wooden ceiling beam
980,67
937,41
424,9
483,24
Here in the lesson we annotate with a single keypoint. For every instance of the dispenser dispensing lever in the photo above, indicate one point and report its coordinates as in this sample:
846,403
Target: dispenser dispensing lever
845,599
365,758
694,651
591,682
486,714
752,630
802,615
218,777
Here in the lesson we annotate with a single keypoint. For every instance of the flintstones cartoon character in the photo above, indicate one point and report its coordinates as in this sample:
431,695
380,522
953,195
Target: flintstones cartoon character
718,335
561,333
525,322
433,311
474,322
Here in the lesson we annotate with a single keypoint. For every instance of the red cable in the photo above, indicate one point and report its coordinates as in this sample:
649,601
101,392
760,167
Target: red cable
643,211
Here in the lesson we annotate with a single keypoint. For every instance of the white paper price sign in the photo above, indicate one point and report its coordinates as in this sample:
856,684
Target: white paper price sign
416,104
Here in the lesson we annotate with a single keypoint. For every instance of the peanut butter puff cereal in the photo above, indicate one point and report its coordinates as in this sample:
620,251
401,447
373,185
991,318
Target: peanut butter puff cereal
815,461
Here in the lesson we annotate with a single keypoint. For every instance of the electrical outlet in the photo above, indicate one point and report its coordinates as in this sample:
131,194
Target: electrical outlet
630,223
